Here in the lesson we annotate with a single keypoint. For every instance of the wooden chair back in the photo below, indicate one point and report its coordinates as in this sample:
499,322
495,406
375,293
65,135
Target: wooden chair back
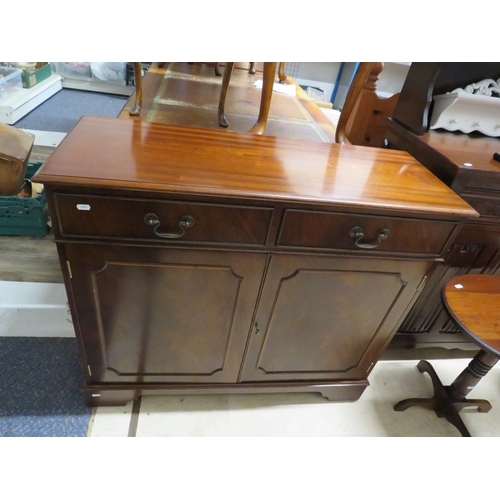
363,118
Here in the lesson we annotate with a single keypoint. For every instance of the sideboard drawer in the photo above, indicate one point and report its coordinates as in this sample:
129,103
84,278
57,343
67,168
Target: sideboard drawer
328,230
99,216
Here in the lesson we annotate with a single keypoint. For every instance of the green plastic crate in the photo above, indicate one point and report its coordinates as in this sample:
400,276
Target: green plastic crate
24,216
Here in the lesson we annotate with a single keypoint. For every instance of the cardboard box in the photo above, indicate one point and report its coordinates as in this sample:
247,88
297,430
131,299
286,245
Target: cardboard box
31,78
15,149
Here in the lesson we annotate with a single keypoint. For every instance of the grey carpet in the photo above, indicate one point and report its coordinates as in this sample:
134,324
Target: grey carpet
60,112
40,378
40,396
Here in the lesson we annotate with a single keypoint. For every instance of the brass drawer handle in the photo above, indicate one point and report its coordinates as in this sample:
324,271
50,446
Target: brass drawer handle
357,232
152,220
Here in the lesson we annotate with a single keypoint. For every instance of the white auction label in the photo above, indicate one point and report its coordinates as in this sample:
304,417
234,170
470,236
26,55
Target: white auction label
83,207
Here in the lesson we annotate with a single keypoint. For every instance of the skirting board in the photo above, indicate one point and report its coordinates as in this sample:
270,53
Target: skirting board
26,100
34,310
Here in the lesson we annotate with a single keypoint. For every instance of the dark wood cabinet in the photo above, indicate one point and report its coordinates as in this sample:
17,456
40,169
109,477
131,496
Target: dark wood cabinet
293,273
465,163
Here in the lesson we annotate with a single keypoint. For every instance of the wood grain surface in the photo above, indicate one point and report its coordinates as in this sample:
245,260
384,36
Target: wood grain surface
474,302
26,258
469,152
29,259
126,154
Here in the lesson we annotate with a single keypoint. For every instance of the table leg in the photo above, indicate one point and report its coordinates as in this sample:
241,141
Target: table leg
265,100
136,108
281,72
480,365
448,401
223,92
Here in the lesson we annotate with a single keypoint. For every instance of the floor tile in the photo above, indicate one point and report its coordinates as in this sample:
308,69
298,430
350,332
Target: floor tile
309,414
110,421
186,416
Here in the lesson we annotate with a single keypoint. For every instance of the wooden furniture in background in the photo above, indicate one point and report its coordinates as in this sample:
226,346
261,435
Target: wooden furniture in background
136,108
251,68
473,301
427,79
363,120
463,162
197,261
265,103
177,94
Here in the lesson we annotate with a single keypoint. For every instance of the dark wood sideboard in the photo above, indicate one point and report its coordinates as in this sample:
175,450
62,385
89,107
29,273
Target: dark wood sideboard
465,163
201,261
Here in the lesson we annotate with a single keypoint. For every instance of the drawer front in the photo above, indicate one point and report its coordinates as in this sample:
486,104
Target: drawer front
325,230
98,216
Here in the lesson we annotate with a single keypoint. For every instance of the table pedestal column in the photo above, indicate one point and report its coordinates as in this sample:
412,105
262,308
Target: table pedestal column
480,365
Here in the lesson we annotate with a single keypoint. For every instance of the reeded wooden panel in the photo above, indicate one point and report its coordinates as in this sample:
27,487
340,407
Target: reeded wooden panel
327,318
148,315
331,230
486,203
165,319
429,306
98,216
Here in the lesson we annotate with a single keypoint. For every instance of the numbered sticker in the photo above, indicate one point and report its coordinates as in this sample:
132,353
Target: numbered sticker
83,207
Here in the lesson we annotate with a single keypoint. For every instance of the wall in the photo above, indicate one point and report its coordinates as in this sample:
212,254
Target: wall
34,310
324,75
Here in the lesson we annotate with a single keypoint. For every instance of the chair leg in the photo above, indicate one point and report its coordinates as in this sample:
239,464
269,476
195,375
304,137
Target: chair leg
281,72
136,108
265,100
217,69
251,70
223,92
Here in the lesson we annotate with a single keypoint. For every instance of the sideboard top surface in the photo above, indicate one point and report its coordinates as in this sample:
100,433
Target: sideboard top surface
126,154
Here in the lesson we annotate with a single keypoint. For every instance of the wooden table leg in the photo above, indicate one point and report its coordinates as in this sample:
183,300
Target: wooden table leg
281,72
136,108
223,92
265,100
480,365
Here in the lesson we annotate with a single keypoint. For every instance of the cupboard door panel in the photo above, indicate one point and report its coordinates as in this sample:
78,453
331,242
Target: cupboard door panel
163,315
327,318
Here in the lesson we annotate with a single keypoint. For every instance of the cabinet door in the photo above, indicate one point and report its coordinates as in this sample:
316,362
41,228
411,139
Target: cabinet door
327,318
161,315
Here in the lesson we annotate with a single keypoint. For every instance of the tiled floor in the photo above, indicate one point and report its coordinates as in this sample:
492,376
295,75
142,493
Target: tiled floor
310,415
